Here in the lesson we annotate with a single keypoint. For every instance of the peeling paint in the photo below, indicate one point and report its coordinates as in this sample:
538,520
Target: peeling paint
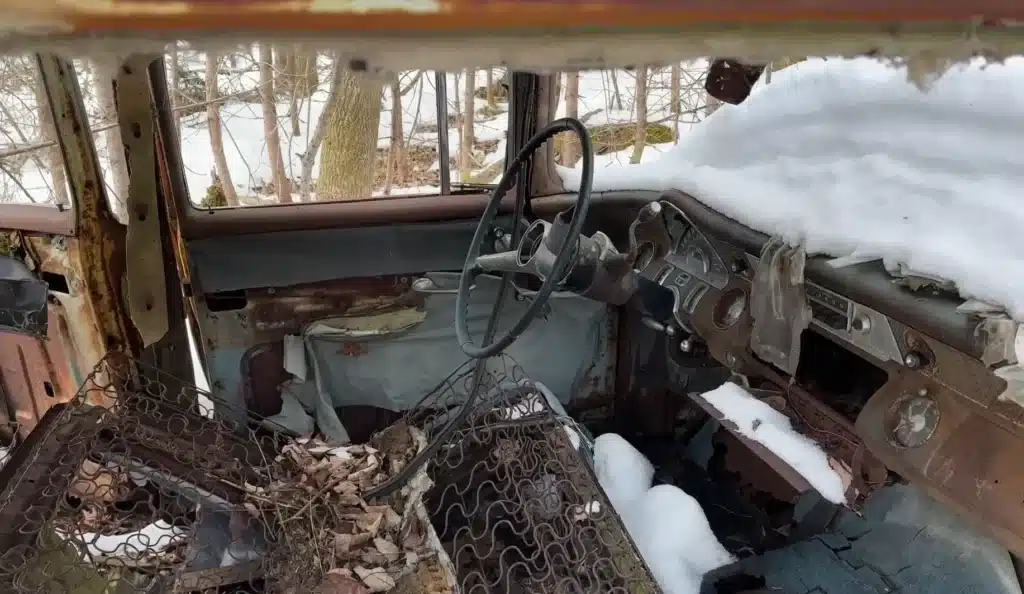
368,326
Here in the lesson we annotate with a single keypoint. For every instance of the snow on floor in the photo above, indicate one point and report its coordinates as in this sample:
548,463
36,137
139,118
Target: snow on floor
668,526
760,422
849,158
154,538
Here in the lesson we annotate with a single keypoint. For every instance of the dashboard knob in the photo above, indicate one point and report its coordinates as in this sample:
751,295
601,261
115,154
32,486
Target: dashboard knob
649,211
912,360
686,345
861,324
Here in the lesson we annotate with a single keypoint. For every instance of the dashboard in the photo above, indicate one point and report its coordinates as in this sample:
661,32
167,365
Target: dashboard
698,263
937,416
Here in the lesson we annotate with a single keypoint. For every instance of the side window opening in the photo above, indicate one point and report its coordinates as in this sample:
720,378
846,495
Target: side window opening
31,164
633,115
264,125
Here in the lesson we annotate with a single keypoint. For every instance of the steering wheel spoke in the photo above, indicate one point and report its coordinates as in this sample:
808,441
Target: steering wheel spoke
528,257
502,262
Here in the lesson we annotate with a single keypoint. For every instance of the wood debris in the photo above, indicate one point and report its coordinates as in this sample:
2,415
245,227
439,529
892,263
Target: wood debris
331,540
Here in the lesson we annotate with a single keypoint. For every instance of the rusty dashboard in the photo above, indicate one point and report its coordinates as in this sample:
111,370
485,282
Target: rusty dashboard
934,415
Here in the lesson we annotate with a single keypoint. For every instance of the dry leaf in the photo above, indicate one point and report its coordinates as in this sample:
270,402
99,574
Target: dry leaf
95,483
368,522
345,543
345,488
336,583
388,549
392,520
377,580
350,500
414,537
374,558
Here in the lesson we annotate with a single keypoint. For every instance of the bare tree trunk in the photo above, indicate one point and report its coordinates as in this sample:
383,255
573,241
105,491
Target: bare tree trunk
293,113
106,71
466,146
270,126
458,105
676,107
283,63
303,81
490,87
350,146
51,155
397,158
572,110
675,81
641,115
307,78
213,125
319,132
615,88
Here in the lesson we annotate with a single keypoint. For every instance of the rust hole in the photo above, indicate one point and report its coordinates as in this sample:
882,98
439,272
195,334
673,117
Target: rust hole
48,388
136,130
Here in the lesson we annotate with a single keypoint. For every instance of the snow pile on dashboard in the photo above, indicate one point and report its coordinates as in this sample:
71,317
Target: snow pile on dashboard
668,526
760,422
850,159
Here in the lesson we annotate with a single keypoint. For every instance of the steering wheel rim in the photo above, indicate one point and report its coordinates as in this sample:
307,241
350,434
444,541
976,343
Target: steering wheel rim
565,253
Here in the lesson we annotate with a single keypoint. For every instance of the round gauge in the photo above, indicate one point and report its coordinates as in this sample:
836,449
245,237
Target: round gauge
912,420
729,308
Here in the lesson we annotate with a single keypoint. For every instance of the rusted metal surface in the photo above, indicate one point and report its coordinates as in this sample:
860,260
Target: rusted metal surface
35,374
37,218
756,473
452,16
731,81
97,253
971,460
332,215
263,373
270,314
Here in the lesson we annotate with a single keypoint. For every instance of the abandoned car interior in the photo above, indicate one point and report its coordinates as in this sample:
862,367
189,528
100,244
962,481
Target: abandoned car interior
335,323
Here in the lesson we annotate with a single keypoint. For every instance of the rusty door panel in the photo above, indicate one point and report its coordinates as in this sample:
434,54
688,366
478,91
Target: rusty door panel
35,374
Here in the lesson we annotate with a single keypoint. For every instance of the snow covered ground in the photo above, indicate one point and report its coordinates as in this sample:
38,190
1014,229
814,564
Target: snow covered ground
850,159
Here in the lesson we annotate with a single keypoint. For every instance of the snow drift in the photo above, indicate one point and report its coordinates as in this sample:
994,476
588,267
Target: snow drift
850,159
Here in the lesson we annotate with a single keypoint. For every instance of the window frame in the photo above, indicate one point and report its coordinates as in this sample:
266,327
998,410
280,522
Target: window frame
193,213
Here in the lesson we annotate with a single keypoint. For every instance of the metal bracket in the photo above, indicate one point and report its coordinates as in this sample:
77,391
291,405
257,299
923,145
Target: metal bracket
778,305
144,270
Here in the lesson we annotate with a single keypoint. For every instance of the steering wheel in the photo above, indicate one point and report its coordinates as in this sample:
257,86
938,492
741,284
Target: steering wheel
545,250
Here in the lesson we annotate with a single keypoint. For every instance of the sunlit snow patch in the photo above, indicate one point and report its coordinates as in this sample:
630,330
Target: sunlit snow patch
759,422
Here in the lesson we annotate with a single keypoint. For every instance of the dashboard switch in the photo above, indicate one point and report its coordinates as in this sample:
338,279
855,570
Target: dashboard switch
861,324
